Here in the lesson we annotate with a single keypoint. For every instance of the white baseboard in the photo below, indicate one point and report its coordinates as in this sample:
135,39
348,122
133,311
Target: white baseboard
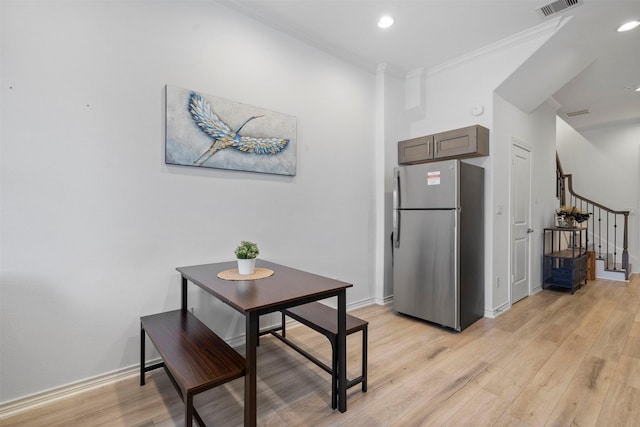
388,300
48,396
492,314
363,303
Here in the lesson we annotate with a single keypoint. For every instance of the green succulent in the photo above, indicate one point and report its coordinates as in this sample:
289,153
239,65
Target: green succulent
247,250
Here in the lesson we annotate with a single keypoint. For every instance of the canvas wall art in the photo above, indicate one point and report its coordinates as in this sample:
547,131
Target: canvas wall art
211,132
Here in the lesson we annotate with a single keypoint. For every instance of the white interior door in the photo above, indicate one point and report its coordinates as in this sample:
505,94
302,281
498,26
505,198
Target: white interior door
520,222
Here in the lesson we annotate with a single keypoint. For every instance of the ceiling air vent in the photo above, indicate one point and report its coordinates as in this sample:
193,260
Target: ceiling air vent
577,113
558,6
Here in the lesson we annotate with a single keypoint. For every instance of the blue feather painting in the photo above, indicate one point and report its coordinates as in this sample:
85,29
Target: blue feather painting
207,131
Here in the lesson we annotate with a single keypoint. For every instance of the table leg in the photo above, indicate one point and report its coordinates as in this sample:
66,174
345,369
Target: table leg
250,378
342,351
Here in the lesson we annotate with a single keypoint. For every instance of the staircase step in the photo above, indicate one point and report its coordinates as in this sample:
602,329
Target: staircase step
617,274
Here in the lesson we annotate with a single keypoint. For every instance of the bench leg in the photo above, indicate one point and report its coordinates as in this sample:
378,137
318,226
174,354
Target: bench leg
364,359
334,374
142,370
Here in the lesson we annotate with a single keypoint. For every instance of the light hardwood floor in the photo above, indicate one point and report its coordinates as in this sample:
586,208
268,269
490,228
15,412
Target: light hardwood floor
554,359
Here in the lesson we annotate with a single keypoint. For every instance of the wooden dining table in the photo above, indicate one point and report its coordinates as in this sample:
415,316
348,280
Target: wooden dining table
287,287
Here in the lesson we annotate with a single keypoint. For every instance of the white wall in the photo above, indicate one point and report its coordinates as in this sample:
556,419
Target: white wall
391,100
614,182
535,131
93,222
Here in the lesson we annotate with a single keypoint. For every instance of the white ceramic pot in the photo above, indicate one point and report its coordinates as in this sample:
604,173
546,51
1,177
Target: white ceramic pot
246,266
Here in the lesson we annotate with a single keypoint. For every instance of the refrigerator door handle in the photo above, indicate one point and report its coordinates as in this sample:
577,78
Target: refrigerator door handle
396,189
396,228
396,212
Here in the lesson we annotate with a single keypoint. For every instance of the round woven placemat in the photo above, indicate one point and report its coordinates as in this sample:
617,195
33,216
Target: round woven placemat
258,273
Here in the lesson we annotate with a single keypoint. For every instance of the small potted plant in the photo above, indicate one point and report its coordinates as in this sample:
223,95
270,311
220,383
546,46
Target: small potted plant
246,254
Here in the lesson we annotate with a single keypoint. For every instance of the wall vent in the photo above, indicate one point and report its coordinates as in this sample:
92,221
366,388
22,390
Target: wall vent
558,6
577,113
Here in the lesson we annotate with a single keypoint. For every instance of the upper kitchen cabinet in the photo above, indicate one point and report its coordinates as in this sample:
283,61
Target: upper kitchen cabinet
415,150
472,141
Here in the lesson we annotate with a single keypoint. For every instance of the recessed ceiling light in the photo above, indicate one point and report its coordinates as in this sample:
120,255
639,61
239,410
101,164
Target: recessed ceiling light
386,21
628,26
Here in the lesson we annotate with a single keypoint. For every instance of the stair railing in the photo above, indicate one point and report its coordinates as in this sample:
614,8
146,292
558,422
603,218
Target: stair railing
603,221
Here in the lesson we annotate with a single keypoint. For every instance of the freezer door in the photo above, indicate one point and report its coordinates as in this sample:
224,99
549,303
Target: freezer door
427,186
425,282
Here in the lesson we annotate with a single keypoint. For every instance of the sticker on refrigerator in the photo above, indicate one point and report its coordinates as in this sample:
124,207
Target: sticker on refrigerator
433,178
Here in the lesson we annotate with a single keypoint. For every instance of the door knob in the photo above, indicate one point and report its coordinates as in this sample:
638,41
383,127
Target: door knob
529,230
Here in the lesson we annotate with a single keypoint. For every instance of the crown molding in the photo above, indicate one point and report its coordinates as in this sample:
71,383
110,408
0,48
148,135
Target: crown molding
547,28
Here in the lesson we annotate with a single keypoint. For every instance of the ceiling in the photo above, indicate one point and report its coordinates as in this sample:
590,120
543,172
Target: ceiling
428,33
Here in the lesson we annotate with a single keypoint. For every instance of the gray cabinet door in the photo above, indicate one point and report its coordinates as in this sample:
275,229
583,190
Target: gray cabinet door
465,142
416,150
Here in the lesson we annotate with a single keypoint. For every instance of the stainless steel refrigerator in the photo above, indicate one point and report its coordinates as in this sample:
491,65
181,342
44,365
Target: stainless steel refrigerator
438,242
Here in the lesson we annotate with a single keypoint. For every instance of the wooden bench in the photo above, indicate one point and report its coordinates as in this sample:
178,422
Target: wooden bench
194,357
323,319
